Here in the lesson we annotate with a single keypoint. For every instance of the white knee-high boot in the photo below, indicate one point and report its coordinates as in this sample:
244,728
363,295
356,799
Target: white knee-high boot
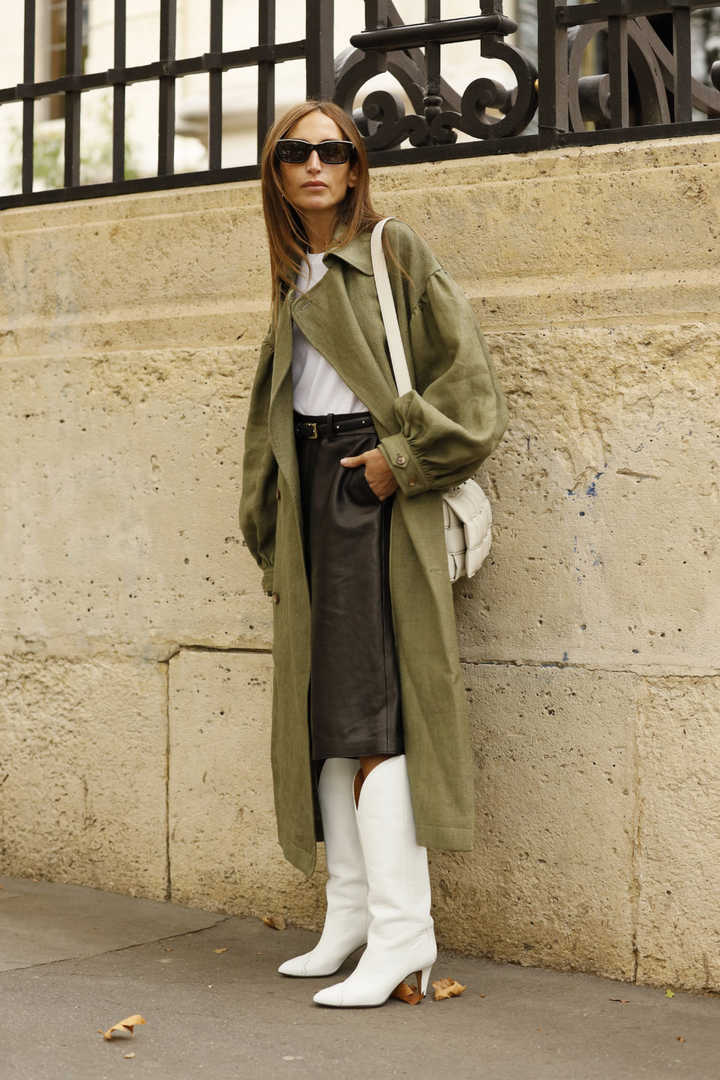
346,918
401,938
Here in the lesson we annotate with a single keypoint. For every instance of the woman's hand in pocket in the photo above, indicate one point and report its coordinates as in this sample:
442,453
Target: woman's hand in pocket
377,472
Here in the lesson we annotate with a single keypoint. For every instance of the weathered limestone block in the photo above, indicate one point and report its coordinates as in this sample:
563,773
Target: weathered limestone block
121,526
224,853
605,498
549,880
159,271
678,846
609,233
82,772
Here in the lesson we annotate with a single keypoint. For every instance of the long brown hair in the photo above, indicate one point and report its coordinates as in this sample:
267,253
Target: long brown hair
287,237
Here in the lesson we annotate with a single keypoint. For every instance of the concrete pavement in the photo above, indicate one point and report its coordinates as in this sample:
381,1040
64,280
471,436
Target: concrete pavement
74,960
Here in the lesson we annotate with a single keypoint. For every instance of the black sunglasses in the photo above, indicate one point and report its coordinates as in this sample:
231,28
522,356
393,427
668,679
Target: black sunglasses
331,151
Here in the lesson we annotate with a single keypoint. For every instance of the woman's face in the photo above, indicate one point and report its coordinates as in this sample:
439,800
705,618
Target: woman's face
314,187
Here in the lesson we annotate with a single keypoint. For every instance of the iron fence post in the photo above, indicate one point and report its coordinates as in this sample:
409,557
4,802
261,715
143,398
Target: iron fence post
73,67
552,72
320,49
28,117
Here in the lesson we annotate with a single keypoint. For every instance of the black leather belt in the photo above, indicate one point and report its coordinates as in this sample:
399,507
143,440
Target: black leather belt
324,427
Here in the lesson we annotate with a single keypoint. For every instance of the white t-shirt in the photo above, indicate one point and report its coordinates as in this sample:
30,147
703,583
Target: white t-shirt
317,387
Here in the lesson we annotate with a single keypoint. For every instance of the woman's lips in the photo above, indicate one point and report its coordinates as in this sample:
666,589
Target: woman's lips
314,183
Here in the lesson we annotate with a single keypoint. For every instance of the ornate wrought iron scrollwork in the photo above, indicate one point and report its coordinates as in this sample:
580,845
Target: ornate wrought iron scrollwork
516,105
652,66
588,95
440,112
390,125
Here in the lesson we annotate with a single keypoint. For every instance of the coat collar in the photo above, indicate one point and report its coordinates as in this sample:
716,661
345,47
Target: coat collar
356,252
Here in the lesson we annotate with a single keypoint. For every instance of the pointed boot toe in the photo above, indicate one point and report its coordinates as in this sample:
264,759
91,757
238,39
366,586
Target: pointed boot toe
296,966
327,956
330,995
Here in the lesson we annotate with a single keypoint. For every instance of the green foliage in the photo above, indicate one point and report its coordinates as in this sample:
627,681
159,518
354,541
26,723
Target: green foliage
49,155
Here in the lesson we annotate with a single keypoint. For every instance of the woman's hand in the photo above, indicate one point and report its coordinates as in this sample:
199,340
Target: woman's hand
377,472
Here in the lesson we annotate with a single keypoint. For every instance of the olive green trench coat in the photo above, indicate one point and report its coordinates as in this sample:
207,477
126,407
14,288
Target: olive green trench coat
432,437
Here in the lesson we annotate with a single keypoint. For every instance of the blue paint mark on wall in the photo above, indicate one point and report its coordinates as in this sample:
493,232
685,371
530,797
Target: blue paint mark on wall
591,489
596,559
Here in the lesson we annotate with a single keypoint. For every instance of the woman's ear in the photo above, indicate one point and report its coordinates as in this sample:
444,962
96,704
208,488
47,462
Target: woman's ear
353,175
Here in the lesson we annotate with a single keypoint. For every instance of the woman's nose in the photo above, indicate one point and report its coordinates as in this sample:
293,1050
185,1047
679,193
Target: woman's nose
313,162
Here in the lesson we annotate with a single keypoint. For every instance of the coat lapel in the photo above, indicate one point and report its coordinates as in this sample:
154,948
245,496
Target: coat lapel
329,321
334,327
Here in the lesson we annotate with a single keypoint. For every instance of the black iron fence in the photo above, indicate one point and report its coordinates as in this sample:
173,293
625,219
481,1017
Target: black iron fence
644,86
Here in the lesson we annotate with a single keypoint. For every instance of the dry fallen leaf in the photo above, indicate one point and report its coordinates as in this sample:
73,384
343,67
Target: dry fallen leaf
123,1025
222,950
447,988
680,1038
275,922
409,994
623,1001
131,1054
669,993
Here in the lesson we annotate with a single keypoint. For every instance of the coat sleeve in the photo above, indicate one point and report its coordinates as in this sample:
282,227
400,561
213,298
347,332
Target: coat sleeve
456,414
258,502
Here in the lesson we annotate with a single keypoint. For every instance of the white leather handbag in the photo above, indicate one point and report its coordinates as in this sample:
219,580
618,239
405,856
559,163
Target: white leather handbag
466,508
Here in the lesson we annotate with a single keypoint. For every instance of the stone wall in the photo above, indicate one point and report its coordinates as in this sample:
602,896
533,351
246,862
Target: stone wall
134,638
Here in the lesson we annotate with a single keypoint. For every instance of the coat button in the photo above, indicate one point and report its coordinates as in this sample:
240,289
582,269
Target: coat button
401,460
276,598
411,483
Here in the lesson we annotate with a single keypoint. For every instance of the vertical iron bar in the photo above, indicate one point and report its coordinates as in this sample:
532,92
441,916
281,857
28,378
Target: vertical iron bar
618,70
319,49
166,110
433,101
28,120
119,58
682,88
266,74
215,88
375,16
73,66
552,72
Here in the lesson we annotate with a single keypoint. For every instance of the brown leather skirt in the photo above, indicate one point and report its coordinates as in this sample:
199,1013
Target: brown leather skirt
354,706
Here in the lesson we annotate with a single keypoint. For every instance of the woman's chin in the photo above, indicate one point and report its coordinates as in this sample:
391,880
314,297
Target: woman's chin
315,200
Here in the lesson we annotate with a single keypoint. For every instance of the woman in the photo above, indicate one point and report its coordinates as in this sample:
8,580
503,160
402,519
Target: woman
341,508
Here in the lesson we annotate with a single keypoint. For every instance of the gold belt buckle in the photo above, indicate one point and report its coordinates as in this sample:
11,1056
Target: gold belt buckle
313,425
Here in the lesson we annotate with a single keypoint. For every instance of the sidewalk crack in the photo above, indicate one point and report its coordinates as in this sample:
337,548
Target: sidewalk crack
120,948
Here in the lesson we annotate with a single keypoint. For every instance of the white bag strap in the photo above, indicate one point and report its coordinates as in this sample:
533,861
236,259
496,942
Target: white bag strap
387,309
